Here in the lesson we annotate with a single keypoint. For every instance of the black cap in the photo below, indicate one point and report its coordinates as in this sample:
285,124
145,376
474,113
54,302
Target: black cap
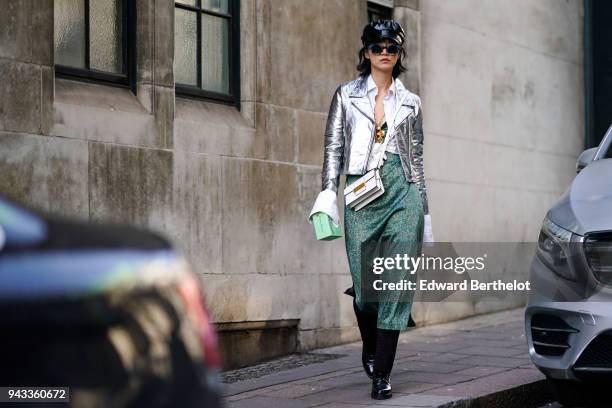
379,29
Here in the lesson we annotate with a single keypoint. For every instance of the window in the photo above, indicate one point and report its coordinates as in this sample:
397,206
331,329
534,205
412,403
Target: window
93,39
380,10
607,144
206,49
598,70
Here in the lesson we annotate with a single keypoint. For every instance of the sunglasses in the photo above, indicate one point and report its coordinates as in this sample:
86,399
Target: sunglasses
378,48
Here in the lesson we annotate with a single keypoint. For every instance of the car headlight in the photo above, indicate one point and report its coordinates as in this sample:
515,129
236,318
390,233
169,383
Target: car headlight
598,251
554,249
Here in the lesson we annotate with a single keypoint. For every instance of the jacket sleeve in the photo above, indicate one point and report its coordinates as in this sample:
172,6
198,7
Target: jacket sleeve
334,144
417,147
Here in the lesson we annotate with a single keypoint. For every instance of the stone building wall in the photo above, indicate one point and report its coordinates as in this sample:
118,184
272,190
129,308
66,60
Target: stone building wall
503,116
503,105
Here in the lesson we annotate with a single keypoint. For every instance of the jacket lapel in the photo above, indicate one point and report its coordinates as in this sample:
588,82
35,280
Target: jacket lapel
404,106
359,98
405,103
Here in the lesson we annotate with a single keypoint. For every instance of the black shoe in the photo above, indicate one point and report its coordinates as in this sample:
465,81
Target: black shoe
381,386
368,364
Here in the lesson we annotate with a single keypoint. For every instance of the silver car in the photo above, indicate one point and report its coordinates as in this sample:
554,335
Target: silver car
568,318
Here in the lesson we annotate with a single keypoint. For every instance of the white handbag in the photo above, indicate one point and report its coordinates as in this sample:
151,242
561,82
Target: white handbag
368,187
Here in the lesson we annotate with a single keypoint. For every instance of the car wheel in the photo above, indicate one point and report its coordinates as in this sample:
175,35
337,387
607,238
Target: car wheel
578,393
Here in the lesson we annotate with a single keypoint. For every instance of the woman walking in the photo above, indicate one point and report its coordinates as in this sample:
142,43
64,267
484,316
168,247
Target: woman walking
374,120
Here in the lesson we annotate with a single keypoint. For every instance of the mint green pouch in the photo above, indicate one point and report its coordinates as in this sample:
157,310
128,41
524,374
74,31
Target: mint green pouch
325,228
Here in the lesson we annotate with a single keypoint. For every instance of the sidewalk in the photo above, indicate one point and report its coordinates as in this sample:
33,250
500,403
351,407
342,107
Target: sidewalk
481,361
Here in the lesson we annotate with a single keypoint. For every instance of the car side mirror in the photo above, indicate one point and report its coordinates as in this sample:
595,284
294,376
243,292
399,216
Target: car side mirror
585,158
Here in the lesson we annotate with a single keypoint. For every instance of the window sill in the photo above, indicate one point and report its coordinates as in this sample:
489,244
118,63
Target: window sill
212,128
193,110
113,98
97,112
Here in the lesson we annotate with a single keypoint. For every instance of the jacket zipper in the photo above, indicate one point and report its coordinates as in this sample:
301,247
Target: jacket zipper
367,160
409,147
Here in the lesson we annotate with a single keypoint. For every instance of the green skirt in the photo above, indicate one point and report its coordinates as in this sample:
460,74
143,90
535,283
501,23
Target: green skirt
392,224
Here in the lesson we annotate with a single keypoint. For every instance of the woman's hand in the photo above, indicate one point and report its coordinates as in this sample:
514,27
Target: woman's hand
327,203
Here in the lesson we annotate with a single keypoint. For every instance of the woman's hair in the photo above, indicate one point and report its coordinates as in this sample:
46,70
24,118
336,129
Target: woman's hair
365,68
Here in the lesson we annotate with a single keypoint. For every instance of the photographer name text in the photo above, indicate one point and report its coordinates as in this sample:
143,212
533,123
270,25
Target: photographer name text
433,285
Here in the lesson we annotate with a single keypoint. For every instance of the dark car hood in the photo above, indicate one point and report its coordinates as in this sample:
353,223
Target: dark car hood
44,256
586,206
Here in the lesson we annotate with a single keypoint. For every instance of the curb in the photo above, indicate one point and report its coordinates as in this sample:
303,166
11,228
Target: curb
531,395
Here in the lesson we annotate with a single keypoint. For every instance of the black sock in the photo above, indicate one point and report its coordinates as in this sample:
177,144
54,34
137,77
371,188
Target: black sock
386,345
367,328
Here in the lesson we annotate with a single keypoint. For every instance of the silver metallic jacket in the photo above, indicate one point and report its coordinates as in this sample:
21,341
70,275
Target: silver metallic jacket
349,135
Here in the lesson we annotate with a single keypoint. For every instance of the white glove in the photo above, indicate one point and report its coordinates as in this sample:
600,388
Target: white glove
427,231
327,202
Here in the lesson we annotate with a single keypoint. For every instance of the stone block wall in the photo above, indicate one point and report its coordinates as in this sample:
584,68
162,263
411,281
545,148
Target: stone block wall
502,99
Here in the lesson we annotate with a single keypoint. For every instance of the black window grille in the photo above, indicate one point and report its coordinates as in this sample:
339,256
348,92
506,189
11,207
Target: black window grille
378,11
95,40
207,49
